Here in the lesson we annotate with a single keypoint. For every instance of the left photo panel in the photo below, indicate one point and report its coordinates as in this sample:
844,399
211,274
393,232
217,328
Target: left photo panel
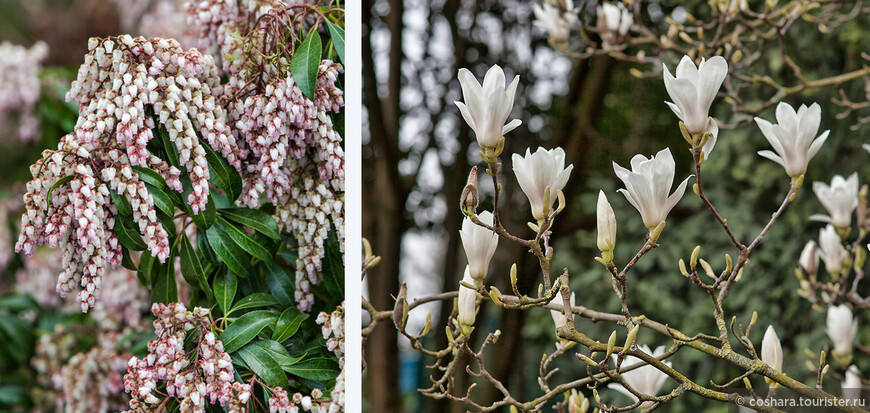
172,206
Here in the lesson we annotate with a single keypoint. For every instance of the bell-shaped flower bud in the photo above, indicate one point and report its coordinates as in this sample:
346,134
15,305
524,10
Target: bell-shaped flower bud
487,107
646,379
832,251
467,303
479,244
556,22
841,329
794,138
647,186
771,349
852,384
606,226
693,90
809,260
536,172
840,199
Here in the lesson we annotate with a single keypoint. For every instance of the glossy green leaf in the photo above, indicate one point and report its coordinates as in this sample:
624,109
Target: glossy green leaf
247,242
245,328
256,219
221,173
127,260
168,146
127,235
254,300
150,177
317,369
161,200
122,204
204,247
333,269
336,33
263,365
17,336
278,352
165,289
279,283
288,324
18,302
228,252
224,287
59,182
146,261
191,267
304,64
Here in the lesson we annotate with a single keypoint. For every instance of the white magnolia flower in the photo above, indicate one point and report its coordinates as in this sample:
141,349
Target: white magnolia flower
467,304
536,171
615,18
771,349
647,186
577,403
831,249
693,90
479,244
809,260
557,24
646,379
852,384
793,138
840,199
606,224
841,328
487,107
559,318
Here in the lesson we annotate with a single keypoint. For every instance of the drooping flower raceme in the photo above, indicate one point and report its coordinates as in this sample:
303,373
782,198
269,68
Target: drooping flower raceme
645,379
771,349
606,224
794,137
648,184
126,89
479,244
467,304
19,88
557,23
487,107
841,328
693,90
831,249
840,199
809,259
537,171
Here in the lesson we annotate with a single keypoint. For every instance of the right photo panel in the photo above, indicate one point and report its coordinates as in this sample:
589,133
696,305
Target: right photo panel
608,206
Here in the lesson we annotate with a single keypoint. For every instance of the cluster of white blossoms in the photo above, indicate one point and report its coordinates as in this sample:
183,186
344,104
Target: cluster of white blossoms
293,154
208,376
125,89
19,89
92,381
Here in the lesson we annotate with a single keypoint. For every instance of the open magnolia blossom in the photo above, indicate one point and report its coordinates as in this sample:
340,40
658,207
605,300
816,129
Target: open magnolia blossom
614,18
557,23
479,244
832,251
841,329
771,349
467,304
645,379
648,184
794,137
840,199
693,90
809,260
606,224
487,107
536,172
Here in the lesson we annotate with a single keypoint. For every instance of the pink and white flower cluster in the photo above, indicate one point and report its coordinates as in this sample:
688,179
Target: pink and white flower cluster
91,381
125,88
19,88
208,376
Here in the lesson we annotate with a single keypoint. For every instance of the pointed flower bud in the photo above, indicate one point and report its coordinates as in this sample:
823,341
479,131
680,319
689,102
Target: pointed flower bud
794,138
771,349
487,107
841,329
606,225
469,197
840,199
809,260
559,318
479,244
693,90
646,379
647,186
831,249
537,171
557,23
467,304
